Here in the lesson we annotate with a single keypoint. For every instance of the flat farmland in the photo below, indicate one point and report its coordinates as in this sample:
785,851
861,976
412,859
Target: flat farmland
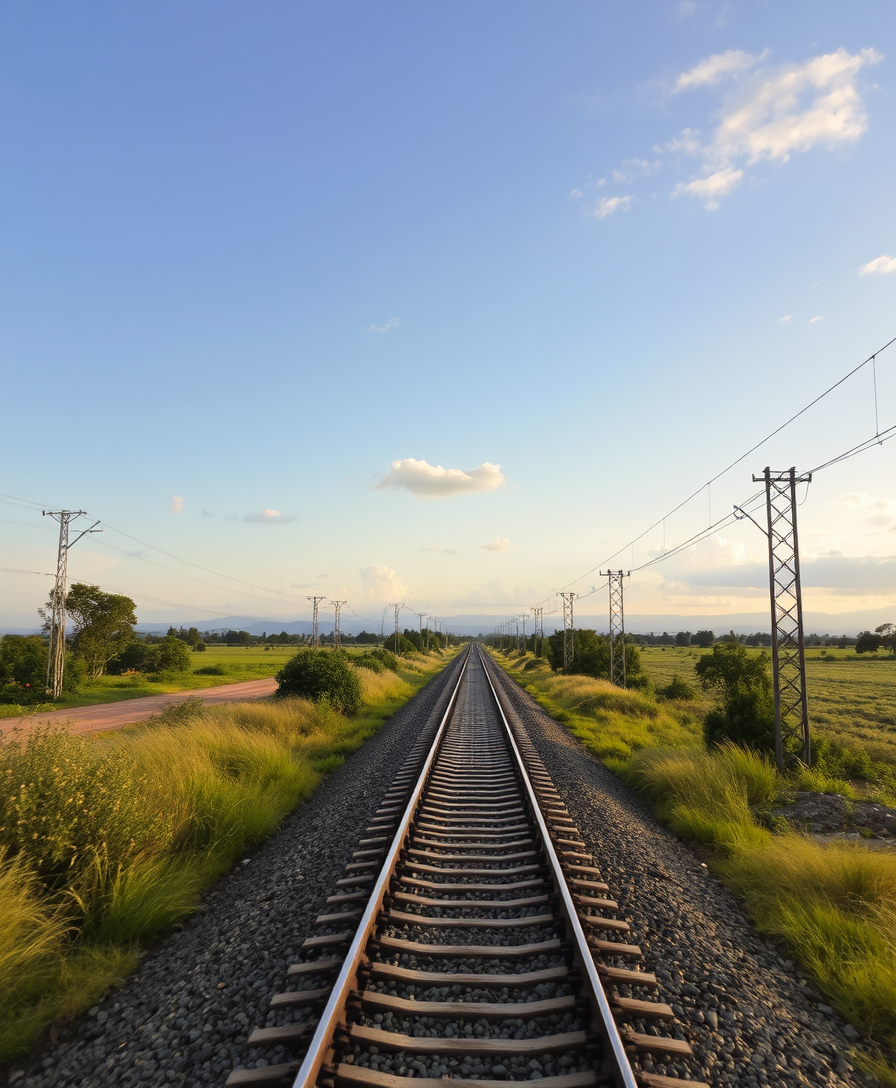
852,697
232,665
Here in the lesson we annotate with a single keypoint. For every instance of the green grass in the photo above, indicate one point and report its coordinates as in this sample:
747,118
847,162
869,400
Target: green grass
107,841
238,664
852,697
832,905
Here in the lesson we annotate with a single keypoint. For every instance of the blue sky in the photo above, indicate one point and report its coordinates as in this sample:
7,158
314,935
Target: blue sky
579,256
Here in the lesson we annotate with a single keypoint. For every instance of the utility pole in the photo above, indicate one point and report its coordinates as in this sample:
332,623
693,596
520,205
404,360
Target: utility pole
617,627
569,633
56,655
398,608
538,630
337,634
792,738
523,618
315,602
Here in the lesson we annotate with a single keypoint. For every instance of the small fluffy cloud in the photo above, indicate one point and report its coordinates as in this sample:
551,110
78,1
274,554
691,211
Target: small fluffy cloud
499,544
880,265
268,517
176,504
427,481
815,320
380,585
710,189
609,205
391,324
783,320
714,69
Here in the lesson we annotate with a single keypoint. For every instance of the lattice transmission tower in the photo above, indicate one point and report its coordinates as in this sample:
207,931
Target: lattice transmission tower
569,630
337,633
315,604
56,655
617,627
792,739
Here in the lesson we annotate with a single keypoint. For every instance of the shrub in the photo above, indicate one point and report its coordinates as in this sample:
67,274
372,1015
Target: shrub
321,674
385,657
170,655
747,718
678,689
368,661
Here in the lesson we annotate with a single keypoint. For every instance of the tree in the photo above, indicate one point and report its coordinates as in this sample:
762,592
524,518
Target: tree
321,674
704,639
887,632
747,714
683,638
104,625
592,657
868,642
170,655
731,664
23,668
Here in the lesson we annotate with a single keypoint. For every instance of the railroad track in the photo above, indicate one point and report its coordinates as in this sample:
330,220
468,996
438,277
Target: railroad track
471,937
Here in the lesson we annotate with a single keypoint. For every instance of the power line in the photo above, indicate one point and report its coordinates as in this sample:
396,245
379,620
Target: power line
877,440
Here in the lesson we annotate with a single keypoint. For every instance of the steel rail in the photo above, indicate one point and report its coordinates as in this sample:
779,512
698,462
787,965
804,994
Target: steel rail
622,1070
335,1006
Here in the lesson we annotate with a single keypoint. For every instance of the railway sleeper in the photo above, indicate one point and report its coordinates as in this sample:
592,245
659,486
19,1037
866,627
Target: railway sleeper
348,1075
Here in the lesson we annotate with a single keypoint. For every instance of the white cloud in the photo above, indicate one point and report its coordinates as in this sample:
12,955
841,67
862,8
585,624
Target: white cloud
499,544
268,517
434,482
176,505
772,113
609,204
391,324
380,585
882,265
793,107
576,194
714,69
710,189
783,320
687,142
815,320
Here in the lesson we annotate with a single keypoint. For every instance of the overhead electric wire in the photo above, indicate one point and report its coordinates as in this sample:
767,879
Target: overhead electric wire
875,441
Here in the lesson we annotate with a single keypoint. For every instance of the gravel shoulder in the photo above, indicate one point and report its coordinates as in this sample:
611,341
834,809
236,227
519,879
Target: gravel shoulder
751,1016
184,1016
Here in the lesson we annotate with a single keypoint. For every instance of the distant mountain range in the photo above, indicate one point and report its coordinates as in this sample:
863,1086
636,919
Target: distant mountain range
742,623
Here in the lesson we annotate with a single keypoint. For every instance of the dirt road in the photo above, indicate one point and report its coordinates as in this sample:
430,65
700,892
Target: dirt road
102,716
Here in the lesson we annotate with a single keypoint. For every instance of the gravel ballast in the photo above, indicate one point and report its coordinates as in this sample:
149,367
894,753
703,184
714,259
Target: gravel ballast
184,1016
750,1015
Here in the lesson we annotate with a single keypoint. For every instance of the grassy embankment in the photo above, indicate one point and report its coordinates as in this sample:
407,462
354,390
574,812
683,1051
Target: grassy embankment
233,665
106,841
831,905
852,697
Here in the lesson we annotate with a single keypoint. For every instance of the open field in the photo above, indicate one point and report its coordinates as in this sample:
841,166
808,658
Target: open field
237,663
108,840
852,697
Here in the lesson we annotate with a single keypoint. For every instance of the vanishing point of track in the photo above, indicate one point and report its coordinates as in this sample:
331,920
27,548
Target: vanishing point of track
471,939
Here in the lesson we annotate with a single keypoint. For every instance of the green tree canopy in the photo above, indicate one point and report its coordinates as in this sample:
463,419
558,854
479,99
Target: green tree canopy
730,665
104,625
321,674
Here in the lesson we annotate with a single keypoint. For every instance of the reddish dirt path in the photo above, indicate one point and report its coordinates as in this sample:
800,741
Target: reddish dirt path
93,719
